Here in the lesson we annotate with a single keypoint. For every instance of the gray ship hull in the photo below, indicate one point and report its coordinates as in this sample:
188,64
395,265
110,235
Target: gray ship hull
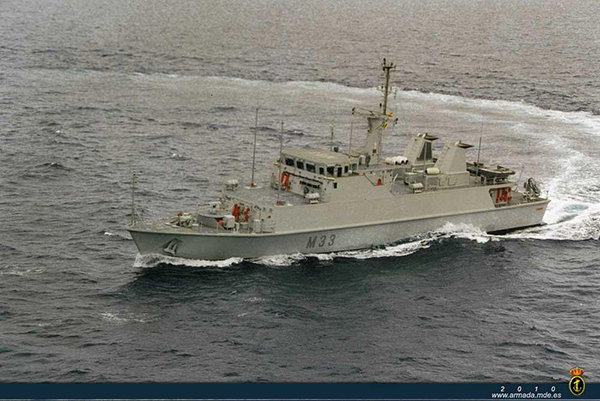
190,244
321,200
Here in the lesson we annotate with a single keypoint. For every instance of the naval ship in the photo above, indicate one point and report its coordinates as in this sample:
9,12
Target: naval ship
323,200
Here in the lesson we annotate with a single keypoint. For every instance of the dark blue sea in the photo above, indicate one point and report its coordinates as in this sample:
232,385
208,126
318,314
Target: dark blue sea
94,90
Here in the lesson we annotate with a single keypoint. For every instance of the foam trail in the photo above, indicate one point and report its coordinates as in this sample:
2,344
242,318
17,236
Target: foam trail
580,118
463,231
126,317
389,251
583,119
279,260
153,260
574,210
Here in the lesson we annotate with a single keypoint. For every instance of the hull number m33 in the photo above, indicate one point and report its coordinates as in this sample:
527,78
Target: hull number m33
320,241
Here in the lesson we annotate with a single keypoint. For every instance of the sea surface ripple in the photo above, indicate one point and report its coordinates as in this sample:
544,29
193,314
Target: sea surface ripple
92,91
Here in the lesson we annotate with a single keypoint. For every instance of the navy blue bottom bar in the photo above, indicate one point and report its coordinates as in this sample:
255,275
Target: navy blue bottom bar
294,391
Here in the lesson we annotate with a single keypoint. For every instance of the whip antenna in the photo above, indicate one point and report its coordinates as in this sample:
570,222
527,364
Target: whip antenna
252,184
280,164
479,149
133,180
332,149
351,128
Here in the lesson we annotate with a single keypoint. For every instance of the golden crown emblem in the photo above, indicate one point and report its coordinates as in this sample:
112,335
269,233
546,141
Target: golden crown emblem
576,371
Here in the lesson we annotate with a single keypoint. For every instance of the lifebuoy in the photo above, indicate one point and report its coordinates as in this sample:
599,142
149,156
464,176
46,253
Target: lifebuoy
306,190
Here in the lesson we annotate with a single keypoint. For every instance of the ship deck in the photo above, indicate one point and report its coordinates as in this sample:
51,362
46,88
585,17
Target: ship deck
265,196
168,228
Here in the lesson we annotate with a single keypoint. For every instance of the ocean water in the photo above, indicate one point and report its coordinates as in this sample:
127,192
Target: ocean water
92,91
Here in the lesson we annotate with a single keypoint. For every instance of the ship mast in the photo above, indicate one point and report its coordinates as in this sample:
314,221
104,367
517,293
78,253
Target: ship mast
373,147
386,89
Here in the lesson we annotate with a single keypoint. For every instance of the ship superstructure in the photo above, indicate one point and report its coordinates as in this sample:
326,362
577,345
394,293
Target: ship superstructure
323,200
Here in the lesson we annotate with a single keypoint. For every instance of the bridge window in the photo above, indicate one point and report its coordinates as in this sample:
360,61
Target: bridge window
321,170
310,168
330,170
289,162
346,169
355,167
300,165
